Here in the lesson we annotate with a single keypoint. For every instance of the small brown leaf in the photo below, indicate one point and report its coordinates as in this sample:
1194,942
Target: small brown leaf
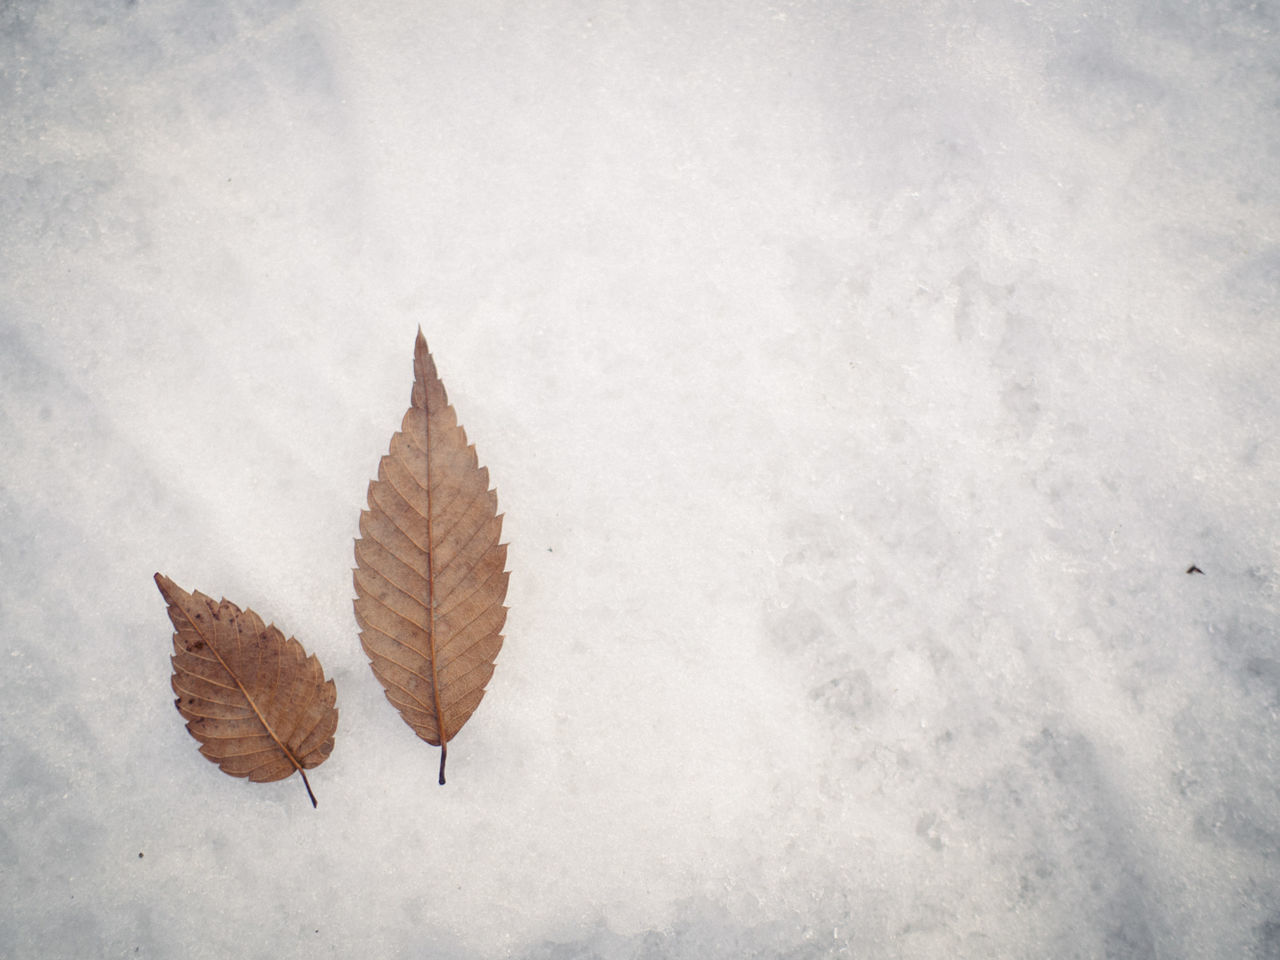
430,573
260,707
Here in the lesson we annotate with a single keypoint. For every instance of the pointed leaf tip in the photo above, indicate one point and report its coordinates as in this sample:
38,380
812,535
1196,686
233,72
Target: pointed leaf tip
165,586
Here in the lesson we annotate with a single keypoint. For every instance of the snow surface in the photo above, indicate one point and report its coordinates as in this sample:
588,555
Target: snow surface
859,380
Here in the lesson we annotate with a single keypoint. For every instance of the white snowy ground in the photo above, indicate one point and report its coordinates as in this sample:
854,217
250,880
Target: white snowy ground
859,380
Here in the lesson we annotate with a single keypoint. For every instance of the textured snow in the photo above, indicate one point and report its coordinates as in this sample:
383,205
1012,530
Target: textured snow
859,380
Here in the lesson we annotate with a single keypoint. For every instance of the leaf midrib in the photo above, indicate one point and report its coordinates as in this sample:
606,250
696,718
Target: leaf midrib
441,729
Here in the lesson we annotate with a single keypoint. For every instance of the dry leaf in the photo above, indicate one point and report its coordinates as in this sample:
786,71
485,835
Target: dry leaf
430,574
260,707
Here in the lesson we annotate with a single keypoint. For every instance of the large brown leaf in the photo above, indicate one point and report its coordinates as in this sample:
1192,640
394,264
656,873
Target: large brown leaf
430,573
260,707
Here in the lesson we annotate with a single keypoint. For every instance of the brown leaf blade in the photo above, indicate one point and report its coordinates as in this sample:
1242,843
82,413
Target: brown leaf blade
259,705
430,575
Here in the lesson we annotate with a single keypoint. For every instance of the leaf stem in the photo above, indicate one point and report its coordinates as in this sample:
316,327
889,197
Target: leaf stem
444,752
307,784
